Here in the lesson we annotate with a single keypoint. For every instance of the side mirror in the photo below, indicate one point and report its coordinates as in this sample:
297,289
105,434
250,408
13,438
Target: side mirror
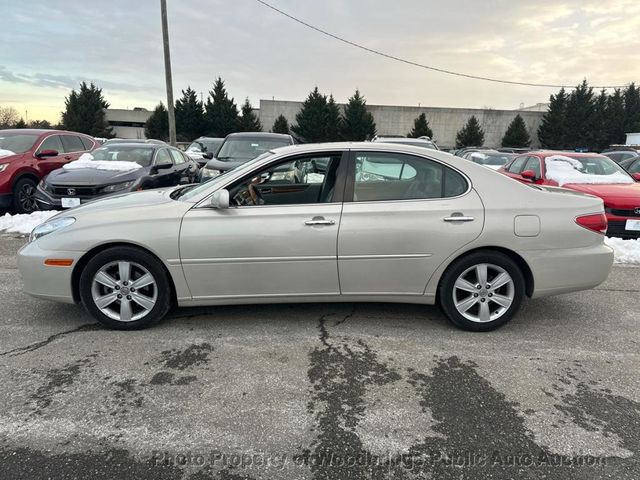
207,155
220,199
162,166
49,152
636,176
529,175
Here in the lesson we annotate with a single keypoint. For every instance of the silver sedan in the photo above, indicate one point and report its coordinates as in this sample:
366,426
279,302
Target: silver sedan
343,222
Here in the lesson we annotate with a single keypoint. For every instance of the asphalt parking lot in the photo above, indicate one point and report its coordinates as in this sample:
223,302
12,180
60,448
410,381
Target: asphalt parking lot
321,391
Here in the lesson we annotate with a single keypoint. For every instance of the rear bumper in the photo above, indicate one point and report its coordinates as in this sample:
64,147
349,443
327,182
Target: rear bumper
50,283
568,270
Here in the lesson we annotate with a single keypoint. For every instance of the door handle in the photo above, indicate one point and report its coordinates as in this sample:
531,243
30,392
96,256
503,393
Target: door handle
67,157
458,218
319,221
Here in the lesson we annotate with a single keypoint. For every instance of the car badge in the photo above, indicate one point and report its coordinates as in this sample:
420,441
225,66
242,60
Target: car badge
71,191
637,211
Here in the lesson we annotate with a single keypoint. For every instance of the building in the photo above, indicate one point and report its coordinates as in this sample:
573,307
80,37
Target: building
128,123
445,122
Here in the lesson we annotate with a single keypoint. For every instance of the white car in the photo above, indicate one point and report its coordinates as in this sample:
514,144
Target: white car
364,222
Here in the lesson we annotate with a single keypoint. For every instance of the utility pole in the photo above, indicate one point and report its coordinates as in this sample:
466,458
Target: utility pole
167,74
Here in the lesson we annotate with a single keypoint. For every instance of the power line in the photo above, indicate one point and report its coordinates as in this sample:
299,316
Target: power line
415,64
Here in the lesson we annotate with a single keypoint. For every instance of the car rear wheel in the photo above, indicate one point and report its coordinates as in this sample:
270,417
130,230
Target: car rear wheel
481,291
125,288
24,196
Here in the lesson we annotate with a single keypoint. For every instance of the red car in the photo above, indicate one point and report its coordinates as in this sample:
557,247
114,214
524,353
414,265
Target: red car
588,173
26,156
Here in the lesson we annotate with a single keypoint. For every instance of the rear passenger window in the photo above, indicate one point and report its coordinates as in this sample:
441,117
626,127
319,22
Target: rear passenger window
533,164
390,176
177,157
72,143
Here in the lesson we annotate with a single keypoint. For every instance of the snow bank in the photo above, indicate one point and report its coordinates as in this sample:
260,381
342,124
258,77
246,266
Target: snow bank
6,153
569,170
625,251
24,223
86,160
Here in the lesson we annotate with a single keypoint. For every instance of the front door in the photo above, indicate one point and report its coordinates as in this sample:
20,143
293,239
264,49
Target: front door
277,239
403,216
48,164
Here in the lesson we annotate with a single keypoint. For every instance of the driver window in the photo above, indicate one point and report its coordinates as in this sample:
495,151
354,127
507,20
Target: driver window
302,180
163,157
52,143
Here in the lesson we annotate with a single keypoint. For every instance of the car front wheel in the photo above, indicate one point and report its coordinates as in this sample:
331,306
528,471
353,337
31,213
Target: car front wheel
482,291
125,288
24,196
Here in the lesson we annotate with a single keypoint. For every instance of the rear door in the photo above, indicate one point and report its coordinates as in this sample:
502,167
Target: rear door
181,172
73,147
403,216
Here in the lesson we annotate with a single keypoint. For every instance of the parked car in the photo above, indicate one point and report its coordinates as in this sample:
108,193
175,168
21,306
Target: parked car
513,149
589,173
626,163
423,142
200,147
27,155
113,141
461,152
239,148
489,158
438,230
115,168
620,156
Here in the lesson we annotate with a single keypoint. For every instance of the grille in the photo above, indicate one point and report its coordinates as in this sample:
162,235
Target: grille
623,213
616,229
80,191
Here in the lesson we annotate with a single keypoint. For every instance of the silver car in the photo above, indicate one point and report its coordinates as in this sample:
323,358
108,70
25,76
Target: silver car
359,222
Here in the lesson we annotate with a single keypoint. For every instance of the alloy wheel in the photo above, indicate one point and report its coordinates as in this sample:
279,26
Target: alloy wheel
124,291
26,198
483,293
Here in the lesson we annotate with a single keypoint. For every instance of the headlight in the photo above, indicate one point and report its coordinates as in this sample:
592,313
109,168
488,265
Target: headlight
49,227
209,173
3,166
116,187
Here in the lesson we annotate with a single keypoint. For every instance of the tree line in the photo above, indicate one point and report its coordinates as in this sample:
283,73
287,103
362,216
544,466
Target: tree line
583,118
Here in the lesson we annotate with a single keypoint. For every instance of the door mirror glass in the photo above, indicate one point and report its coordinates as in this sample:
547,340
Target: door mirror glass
49,152
220,199
529,175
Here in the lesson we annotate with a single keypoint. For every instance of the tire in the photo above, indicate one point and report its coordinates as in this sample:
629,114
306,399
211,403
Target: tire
24,196
458,290
148,303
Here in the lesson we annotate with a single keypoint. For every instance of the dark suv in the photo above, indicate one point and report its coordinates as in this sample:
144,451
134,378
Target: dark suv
27,156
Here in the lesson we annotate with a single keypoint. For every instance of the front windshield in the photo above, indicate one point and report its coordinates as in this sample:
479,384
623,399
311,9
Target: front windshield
141,155
191,192
17,142
491,158
243,149
565,169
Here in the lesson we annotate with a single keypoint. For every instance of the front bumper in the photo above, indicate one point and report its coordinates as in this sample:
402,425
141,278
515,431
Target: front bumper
41,281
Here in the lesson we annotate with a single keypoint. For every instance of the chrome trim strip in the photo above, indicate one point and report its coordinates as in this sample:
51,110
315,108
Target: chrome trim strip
267,295
378,257
209,261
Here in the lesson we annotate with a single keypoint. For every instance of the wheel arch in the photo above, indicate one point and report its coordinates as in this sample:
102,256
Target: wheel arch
25,174
82,262
517,259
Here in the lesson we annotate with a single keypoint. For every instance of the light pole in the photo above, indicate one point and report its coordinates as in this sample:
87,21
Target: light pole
167,73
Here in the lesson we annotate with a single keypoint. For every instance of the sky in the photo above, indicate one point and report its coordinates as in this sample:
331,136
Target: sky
49,47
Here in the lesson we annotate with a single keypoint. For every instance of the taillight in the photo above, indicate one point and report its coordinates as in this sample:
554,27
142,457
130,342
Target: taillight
596,222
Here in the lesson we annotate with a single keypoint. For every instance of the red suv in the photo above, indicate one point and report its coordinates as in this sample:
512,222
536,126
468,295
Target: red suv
588,173
26,156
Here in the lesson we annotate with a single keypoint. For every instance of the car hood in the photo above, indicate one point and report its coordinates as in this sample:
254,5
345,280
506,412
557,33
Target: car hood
608,190
92,176
124,201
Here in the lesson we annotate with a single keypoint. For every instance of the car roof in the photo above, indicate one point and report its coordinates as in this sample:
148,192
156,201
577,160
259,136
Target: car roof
259,134
548,153
38,131
133,144
368,146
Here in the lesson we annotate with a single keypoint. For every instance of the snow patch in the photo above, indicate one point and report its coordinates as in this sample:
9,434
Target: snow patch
86,160
625,251
23,223
565,170
6,153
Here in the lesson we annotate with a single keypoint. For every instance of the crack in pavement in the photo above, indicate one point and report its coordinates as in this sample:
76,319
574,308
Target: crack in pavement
88,327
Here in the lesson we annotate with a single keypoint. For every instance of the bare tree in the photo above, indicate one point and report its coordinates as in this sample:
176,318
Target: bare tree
8,117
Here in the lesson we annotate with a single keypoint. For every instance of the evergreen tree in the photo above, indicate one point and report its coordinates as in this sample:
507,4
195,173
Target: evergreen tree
599,138
579,117
20,124
471,134
281,125
157,125
221,114
632,109
357,122
248,122
189,116
551,132
85,112
615,118
40,124
420,127
311,120
334,121
516,134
